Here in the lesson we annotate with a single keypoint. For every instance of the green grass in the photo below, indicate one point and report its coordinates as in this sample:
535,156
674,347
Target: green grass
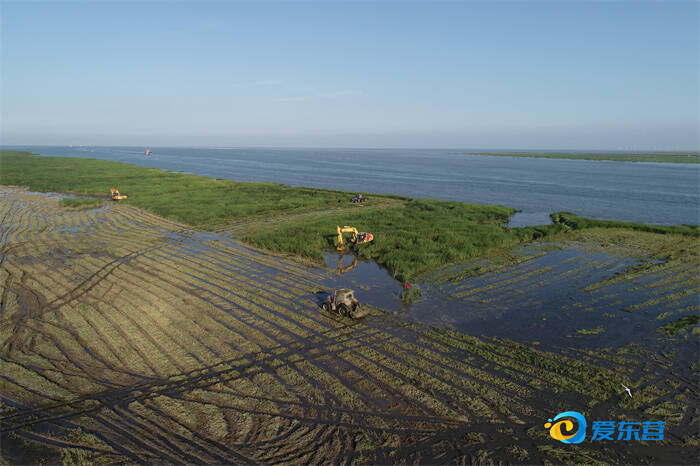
424,234
80,202
408,239
411,295
674,327
419,233
664,157
206,203
411,236
575,222
78,456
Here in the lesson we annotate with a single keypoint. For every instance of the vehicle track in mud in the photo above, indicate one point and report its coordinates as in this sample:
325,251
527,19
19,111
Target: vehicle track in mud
164,344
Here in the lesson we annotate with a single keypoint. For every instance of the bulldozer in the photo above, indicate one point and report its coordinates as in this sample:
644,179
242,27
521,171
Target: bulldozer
357,237
344,303
114,194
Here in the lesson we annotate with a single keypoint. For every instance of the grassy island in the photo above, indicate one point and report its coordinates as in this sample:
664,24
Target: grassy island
659,157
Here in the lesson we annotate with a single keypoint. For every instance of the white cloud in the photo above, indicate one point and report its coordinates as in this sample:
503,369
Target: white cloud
343,93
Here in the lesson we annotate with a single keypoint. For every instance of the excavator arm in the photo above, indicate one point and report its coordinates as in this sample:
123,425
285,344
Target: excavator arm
345,229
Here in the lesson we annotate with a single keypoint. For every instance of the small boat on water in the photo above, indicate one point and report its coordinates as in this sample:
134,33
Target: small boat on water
147,152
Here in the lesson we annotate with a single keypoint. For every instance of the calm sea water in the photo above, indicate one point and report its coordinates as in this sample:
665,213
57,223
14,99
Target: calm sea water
657,193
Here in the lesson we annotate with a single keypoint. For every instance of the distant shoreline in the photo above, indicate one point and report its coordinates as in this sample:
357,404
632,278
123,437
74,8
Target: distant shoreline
657,157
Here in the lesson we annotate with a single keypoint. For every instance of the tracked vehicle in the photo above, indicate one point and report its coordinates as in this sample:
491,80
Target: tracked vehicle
344,303
114,194
357,236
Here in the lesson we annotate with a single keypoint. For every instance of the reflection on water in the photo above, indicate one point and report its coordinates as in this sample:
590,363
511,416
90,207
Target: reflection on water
372,284
556,295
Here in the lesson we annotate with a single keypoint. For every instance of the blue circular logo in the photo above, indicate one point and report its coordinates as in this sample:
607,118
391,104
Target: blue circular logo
565,431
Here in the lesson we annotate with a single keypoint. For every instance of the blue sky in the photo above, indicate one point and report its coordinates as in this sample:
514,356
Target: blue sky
522,75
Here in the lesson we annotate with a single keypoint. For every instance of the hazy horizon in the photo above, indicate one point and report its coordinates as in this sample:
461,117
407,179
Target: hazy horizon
443,75
359,148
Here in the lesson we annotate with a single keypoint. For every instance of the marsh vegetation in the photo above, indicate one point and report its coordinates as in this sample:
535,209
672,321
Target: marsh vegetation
126,336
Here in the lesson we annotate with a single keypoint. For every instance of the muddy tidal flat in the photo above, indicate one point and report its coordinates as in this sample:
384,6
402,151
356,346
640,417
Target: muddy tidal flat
126,337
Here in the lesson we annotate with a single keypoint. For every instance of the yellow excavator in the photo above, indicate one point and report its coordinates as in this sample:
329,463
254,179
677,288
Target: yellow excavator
357,237
114,194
